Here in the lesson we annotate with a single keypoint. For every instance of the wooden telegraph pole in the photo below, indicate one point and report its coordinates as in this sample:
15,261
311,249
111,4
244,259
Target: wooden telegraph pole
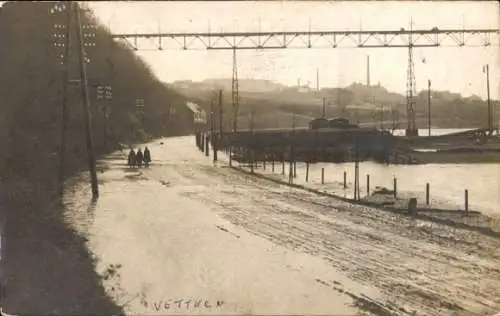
86,103
220,113
490,114
64,113
429,106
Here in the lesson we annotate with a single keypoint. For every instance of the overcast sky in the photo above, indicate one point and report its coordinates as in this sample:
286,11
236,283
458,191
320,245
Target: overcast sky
454,69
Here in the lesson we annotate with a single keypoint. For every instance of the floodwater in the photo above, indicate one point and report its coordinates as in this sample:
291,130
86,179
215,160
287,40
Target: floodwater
448,182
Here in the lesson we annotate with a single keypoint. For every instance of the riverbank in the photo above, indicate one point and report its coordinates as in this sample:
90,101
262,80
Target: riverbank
454,157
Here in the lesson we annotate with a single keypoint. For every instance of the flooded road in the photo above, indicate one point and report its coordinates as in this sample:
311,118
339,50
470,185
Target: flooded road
186,229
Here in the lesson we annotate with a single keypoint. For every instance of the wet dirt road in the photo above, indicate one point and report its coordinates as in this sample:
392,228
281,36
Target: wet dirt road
386,263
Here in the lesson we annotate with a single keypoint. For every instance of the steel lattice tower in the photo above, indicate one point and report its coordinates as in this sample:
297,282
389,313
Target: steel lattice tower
235,92
411,89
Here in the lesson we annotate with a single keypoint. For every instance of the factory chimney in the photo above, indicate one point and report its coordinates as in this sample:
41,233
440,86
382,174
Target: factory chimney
368,70
317,79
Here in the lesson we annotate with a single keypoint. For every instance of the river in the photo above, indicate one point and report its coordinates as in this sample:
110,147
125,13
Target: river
447,181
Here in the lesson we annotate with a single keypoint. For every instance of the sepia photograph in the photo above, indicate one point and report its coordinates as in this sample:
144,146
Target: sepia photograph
250,158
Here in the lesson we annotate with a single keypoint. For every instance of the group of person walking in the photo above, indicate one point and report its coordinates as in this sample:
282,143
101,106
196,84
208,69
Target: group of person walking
136,159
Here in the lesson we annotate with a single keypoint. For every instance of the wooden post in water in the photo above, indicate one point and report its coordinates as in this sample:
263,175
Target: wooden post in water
307,171
356,171
283,166
466,201
345,179
322,175
272,164
294,168
264,163
367,185
395,185
427,193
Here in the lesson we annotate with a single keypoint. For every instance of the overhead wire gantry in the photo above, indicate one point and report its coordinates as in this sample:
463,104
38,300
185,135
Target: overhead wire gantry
434,37
402,38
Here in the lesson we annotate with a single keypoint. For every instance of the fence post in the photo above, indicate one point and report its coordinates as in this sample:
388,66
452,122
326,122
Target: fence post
283,166
345,179
307,171
367,185
322,175
395,185
294,168
264,163
427,193
466,201
272,164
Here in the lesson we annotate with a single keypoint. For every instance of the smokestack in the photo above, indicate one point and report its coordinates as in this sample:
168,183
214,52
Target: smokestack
368,70
317,79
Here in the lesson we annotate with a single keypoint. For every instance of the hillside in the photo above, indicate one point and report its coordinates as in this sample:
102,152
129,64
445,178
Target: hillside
247,85
49,268
356,102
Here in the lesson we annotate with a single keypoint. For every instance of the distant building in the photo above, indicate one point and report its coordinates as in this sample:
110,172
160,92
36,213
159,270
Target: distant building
338,122
318,123
199,115
304,89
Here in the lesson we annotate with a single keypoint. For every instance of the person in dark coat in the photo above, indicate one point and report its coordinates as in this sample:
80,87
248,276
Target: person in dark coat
131,158
139,158
147,156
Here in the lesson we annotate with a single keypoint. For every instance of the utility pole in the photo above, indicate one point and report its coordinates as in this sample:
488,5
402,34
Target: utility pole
104,93
235,91
252,153
324,107
220,113
411,130
429,107
86,103
381,116
490,116
235,96
368,70
212,117
291,172
64,114
356,169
